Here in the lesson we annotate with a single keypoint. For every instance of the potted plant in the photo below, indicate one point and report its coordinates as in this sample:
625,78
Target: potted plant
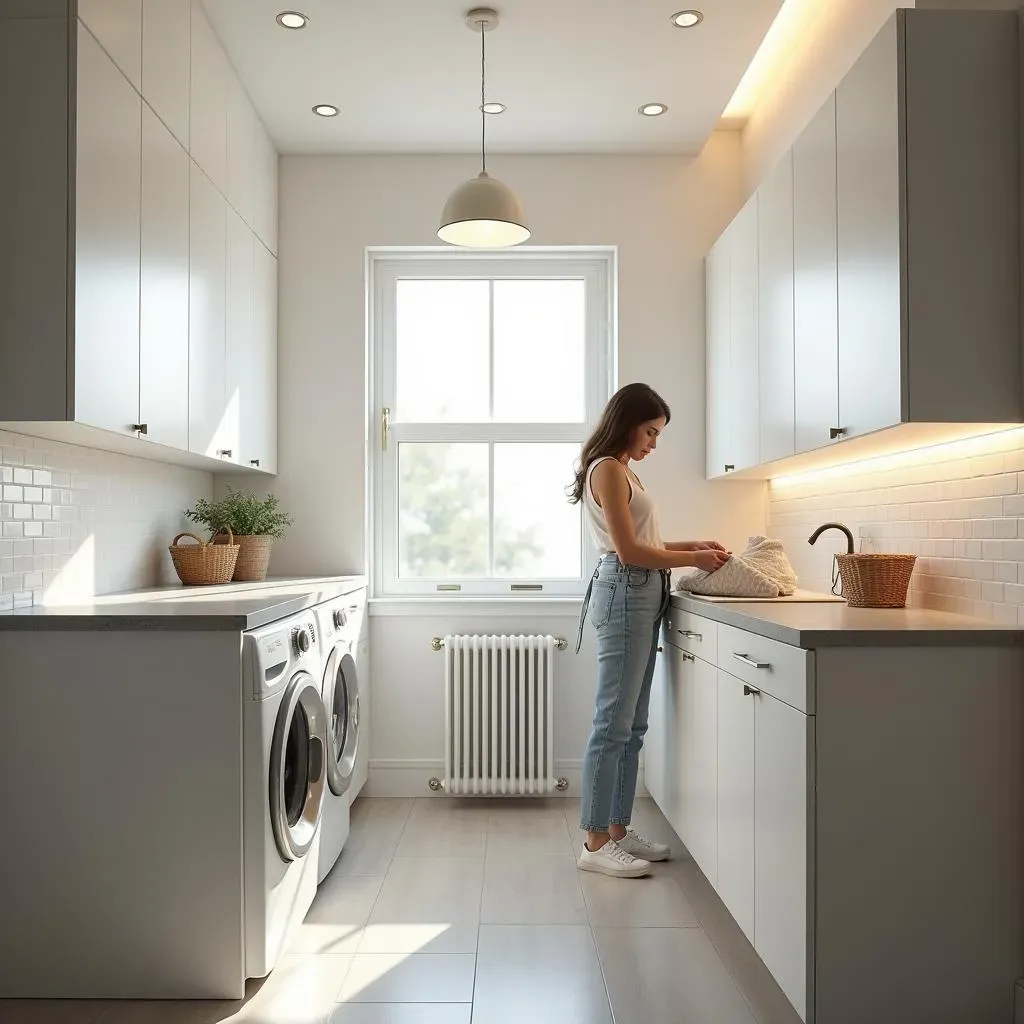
254,522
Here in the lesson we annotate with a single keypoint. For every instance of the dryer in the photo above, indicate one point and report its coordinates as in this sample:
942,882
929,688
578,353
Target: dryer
342,623
285,767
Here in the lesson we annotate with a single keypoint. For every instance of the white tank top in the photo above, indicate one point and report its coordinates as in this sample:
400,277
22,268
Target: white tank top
641,508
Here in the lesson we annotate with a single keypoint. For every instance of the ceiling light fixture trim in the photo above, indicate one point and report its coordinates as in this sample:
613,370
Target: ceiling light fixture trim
652,109
292,19
687,19
326,110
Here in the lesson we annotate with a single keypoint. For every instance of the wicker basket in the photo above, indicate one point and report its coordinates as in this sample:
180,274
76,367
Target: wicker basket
876,581
204,563
253,556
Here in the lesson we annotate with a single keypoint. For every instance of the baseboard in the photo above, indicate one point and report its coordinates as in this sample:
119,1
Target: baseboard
411,778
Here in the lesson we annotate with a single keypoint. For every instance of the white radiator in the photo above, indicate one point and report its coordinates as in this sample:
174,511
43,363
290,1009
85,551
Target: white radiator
499,706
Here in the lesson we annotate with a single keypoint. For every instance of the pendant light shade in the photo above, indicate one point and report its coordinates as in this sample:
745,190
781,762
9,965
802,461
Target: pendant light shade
483,213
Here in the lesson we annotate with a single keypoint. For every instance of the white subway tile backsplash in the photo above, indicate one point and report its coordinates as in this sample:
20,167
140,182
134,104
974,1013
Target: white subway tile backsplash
961,515
75,522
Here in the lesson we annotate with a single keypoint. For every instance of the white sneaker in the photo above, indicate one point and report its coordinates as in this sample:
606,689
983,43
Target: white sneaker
641,846
613,860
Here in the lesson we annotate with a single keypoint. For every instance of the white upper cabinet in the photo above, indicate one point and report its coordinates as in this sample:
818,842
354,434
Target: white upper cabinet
732,347
108,176
117,26
242,124
900,255
265,197
815,293
166,62
241,339
775,360
743,354
208,421
718,268
260,423
211,73
164,313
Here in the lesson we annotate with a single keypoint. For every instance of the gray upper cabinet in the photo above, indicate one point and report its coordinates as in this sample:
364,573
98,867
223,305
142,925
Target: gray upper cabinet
906,267
775,313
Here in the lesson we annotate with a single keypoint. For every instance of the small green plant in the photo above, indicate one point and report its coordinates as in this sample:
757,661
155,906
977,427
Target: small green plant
244,513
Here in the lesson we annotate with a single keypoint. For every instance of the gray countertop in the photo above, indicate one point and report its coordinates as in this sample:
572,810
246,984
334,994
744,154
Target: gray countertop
837,625
234,606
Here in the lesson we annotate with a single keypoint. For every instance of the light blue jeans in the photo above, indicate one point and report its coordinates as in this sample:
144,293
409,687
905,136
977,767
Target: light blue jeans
626,605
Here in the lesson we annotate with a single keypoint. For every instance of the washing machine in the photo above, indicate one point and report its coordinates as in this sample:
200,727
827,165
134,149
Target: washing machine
285,766
341,623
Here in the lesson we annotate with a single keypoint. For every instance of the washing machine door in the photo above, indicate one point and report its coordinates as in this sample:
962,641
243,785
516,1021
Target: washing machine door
298,766
341,699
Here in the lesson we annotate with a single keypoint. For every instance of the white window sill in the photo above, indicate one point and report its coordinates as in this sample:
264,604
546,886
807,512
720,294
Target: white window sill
479,607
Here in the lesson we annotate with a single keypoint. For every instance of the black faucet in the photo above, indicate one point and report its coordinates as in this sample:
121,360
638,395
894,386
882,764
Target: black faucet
833,526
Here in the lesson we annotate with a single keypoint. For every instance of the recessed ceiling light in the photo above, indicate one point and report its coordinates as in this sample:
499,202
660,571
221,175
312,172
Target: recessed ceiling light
493,108
325,110
292,19
653,109
687,19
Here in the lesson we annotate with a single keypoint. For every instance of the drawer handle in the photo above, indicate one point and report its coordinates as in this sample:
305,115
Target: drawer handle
689,635
687,656
749,691
751,662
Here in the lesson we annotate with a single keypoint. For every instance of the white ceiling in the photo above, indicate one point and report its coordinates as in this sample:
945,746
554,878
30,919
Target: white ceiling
571,72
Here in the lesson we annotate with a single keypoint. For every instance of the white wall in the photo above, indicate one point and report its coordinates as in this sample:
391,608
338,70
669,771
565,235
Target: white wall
661,212
75,522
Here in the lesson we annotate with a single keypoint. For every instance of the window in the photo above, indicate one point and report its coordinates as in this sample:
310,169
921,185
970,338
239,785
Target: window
488,373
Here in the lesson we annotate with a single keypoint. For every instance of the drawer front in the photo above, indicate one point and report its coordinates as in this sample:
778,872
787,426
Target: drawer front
692,633
785,672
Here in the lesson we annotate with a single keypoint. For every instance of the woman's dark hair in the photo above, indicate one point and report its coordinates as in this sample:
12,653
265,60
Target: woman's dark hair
628,408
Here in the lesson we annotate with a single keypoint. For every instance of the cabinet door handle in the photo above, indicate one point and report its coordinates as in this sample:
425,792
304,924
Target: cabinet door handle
749,691
690,635
140,428
224,453
836,432
751,662
254,462
729,467
660,649
687,656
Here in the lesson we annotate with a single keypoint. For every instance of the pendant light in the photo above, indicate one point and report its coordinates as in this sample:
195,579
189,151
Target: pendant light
483,213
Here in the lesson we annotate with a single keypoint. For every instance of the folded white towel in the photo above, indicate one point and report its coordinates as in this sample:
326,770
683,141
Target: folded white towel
763,570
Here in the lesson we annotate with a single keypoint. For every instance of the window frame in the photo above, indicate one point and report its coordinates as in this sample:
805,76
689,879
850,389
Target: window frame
596,266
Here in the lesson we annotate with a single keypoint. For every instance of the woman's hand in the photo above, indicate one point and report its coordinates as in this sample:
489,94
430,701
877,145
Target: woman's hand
710,559
707,545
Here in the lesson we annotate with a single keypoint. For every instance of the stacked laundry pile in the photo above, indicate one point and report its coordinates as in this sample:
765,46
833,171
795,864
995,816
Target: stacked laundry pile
763,570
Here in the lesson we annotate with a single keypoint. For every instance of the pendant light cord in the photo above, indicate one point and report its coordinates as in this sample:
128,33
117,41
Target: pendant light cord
483,98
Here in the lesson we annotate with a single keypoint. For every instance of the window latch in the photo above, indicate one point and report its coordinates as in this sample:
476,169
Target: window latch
385,428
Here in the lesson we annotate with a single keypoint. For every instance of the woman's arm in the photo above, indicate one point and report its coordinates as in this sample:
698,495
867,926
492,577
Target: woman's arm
694,545
611,488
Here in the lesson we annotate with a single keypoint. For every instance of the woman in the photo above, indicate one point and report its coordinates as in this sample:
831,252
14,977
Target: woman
627,598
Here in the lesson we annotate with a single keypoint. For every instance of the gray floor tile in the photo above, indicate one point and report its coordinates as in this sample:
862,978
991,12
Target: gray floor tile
419,978
654,902
376,828
539,832
668,975
403,1013
544,974
532,890
437,891
335,920
301,990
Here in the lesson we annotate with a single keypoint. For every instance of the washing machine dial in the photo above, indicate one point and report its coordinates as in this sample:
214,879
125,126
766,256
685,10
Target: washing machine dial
302,641
340,618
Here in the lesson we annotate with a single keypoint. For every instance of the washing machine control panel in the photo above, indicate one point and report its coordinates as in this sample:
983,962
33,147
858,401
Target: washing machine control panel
302,640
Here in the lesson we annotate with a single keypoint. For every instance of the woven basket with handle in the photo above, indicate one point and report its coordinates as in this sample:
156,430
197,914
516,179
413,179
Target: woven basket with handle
876,580
204,563
253,555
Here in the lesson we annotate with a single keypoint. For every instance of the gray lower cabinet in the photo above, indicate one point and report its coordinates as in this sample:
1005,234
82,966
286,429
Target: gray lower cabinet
905,275
859,811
